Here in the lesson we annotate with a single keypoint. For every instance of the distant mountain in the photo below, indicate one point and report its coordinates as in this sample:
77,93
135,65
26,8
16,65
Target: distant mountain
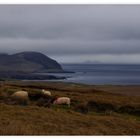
28,62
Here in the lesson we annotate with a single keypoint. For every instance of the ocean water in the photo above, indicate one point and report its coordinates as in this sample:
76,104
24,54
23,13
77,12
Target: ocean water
102,74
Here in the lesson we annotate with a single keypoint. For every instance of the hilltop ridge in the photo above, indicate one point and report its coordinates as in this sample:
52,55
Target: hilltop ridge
28,62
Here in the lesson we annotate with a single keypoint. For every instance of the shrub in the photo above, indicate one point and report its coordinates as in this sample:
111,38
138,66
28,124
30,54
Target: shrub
44,102
74,102
129,110
34,95
82,108
100,107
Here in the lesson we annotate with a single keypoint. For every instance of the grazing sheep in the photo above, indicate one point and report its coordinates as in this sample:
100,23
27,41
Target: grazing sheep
21,97
20,94
62,100
46,92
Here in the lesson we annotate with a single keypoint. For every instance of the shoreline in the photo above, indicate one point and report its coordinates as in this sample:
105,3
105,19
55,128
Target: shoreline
29,76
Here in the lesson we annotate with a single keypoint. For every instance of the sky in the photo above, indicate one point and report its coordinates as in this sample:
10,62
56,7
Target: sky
73,33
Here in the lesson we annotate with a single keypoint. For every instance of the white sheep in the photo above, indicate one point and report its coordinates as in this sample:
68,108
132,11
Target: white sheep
20,94
62,100
46,92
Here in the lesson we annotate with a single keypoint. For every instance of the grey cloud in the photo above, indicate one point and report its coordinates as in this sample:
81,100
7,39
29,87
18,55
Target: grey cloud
86,22
68,47
64,30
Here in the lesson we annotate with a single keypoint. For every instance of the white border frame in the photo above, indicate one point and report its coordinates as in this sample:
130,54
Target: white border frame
69,1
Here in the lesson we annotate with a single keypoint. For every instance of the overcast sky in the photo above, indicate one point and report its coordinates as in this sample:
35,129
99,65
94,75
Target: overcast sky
73,33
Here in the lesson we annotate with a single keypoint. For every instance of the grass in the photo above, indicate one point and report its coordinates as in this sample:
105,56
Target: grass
101,117
17,120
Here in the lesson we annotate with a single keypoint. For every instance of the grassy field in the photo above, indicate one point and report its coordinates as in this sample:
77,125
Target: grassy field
95,110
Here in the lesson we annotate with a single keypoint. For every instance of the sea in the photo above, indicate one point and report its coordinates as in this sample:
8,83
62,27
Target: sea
101,74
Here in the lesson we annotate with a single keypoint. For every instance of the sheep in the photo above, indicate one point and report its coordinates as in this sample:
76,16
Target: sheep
20,94
21,97
46,92
62,100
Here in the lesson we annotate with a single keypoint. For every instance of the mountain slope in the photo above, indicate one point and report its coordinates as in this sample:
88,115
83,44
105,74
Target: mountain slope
28,62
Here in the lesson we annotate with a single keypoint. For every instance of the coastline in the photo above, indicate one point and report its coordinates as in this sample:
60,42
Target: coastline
28,76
